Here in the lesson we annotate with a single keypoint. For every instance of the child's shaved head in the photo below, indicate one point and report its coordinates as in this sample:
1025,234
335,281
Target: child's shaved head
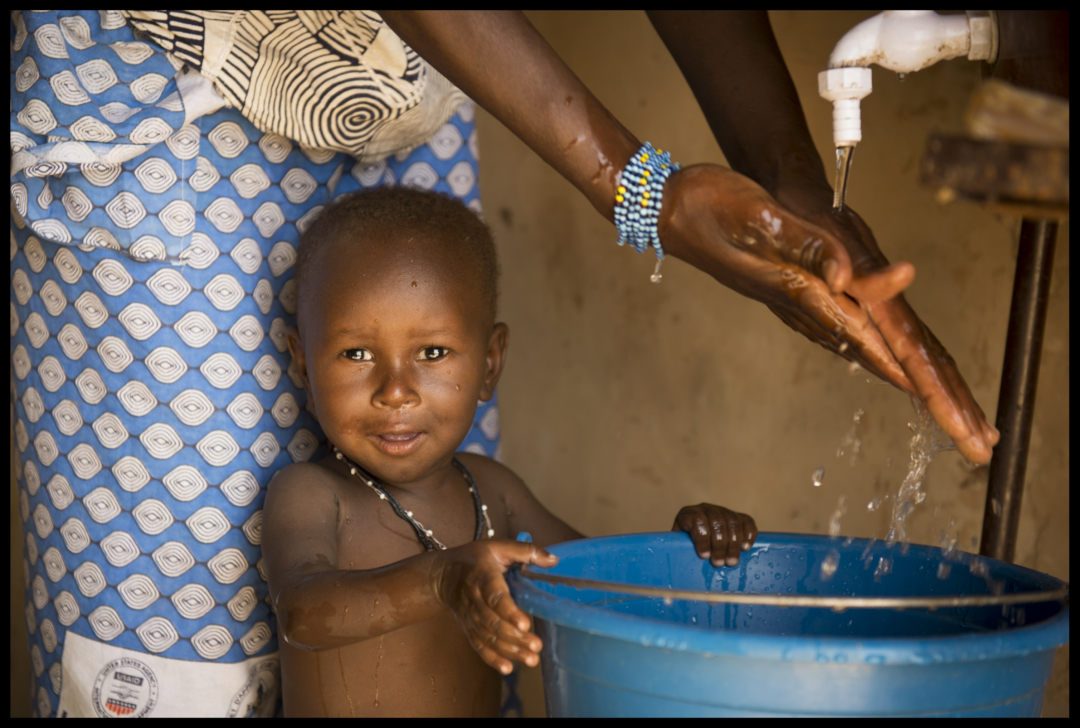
360,223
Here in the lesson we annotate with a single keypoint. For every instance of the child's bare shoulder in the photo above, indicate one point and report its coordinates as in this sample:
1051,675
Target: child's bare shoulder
301,498
300,517
492,474
303,479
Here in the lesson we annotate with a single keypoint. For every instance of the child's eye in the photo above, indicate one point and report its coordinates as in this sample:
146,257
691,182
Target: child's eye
432,353
358,354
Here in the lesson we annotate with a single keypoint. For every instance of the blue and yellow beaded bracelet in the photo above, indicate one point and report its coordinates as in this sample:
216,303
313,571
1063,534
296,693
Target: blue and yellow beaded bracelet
639,195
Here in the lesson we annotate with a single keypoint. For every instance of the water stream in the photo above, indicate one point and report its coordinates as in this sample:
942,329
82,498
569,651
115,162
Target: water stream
927,441
843,169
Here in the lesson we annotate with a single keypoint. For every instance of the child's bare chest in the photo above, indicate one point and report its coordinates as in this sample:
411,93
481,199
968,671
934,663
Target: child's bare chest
371,534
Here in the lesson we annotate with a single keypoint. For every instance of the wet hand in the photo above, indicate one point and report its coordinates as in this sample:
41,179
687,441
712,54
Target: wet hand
842,295
930,372
470,582
718,534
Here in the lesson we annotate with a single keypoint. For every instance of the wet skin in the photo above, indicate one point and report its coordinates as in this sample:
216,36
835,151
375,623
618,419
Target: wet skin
394,350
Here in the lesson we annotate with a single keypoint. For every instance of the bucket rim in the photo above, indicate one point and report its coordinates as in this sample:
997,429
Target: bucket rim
1037,637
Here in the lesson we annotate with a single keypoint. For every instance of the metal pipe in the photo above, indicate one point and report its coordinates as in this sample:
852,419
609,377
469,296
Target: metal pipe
837,604
1019,378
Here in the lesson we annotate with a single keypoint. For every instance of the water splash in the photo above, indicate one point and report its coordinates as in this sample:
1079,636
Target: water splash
834,520
853,438
829,564
927,441
818,477
884,566
867,557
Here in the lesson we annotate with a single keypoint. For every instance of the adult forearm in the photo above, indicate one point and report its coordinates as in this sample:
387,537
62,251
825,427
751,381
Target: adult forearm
734,67
332,609
500,60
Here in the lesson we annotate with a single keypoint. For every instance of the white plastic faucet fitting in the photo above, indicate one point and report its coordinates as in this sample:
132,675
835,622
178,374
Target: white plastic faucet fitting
903,41
845,87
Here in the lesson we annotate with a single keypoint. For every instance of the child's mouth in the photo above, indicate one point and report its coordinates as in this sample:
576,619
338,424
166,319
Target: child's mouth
398,443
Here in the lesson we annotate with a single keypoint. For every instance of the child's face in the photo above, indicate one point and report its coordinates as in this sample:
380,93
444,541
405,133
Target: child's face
395,352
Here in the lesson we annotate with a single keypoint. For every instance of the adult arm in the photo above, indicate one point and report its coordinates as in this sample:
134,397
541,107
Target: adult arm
713,218
733,65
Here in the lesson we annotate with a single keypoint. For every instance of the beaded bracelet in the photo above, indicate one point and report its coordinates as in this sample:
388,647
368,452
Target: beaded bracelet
639,194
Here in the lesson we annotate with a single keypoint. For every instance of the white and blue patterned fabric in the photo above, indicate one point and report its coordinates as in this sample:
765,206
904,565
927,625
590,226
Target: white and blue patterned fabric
154,232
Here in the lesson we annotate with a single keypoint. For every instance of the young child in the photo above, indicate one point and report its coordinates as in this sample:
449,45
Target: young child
396,342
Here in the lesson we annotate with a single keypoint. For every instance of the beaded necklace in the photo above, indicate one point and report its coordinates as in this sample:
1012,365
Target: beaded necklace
427,538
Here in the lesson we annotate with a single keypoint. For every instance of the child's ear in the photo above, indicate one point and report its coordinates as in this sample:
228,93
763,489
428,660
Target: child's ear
297,370
496,358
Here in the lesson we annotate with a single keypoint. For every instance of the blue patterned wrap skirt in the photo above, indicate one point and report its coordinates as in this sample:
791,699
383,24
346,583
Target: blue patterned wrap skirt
151,287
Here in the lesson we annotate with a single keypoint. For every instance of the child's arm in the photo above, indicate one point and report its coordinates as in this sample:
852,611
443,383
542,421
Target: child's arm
310,593
312,596
523,511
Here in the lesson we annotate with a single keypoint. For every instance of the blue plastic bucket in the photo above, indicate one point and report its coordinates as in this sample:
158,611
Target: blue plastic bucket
610,654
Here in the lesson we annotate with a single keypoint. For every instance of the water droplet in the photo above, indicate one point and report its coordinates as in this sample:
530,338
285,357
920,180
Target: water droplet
884,567
901,76
668,601
829,564
656,276
943,569
834,520
414,284
819,477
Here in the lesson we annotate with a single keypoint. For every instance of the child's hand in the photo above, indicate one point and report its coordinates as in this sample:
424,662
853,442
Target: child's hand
470,583
717,533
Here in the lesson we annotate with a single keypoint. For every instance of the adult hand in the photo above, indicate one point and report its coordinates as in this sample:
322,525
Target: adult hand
876,286
469,582
730,227
718,534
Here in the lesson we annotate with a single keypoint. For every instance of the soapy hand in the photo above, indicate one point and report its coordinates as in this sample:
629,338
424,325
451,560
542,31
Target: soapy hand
718,534
470,582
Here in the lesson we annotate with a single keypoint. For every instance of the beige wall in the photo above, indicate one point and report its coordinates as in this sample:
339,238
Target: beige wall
624,400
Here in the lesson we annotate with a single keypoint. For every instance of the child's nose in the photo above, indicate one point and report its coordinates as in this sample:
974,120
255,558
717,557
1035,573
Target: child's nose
396,391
